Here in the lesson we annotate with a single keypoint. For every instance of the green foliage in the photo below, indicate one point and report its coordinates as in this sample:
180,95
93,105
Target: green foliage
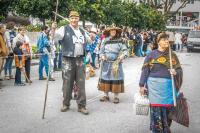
34,28
5,7
34,49
2,17
41,9
106,12
62,23
149,18
89,10
132,15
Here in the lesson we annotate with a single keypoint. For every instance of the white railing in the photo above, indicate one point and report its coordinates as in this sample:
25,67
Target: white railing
183,24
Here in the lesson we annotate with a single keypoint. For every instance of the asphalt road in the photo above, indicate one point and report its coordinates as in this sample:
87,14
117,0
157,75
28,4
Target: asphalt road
21,107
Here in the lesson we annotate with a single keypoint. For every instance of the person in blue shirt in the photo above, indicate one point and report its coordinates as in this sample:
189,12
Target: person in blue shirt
91,47
43,45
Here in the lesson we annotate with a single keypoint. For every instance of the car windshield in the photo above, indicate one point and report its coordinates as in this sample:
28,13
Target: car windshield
194,34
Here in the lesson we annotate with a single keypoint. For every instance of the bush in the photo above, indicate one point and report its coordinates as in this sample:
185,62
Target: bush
34,28
59,24
34,50
2,17
62,23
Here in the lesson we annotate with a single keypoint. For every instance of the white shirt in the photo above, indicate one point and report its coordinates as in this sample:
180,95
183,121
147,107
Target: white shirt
78,39
178,37
19,37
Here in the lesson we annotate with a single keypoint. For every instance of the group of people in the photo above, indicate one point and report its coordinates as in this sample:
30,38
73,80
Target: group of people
155,77
76,44
15,46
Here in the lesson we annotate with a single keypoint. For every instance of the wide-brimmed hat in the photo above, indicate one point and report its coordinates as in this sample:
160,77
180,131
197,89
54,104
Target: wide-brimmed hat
73,14
107,30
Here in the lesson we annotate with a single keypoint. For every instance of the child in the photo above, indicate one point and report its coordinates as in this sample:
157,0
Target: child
19,63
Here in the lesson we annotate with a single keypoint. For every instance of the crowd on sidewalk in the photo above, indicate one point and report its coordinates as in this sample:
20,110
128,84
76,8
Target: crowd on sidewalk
16,45
139,43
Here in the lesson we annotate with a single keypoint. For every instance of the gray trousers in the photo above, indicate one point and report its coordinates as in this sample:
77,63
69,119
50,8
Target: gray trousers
73,71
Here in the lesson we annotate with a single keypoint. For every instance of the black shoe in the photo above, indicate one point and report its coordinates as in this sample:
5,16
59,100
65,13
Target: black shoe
51,79
116,100
43,78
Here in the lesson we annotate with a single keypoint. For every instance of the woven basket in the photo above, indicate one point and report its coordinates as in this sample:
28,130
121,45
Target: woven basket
141,104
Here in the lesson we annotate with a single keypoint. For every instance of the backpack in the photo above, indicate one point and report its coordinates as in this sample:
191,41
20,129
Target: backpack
12,34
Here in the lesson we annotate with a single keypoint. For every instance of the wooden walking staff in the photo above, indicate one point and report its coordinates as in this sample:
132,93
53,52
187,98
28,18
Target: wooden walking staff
56,14
24,72
172,76
47,81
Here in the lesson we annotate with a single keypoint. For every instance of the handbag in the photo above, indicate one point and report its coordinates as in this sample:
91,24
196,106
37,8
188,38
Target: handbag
180,113
141,104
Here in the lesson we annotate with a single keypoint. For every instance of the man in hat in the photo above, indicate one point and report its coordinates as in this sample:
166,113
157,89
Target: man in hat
73,39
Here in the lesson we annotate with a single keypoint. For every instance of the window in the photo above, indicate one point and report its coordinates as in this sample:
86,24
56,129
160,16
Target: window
191,1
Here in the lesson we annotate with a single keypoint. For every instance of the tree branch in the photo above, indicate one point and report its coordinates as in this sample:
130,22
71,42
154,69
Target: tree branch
184,3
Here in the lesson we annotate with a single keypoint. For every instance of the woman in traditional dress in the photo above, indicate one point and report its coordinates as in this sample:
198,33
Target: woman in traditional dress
112,52
156,80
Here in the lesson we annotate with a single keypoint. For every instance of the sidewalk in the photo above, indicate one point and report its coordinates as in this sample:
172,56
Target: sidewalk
34,62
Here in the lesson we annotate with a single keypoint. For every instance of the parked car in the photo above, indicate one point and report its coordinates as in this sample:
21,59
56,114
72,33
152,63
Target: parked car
193,41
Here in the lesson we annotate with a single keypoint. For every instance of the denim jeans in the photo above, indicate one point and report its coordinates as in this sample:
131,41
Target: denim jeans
58,61
93,59
18,76
179,47
8,66
43,63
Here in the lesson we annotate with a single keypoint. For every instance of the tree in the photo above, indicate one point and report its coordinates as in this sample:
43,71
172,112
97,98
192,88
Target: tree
97,11
36,8
5,7
114,12
90,10
166,6
130,14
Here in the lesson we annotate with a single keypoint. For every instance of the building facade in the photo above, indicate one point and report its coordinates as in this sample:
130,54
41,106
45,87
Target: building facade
187,17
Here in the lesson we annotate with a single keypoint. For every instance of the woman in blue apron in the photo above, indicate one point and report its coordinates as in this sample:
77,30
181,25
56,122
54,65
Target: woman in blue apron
156,80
